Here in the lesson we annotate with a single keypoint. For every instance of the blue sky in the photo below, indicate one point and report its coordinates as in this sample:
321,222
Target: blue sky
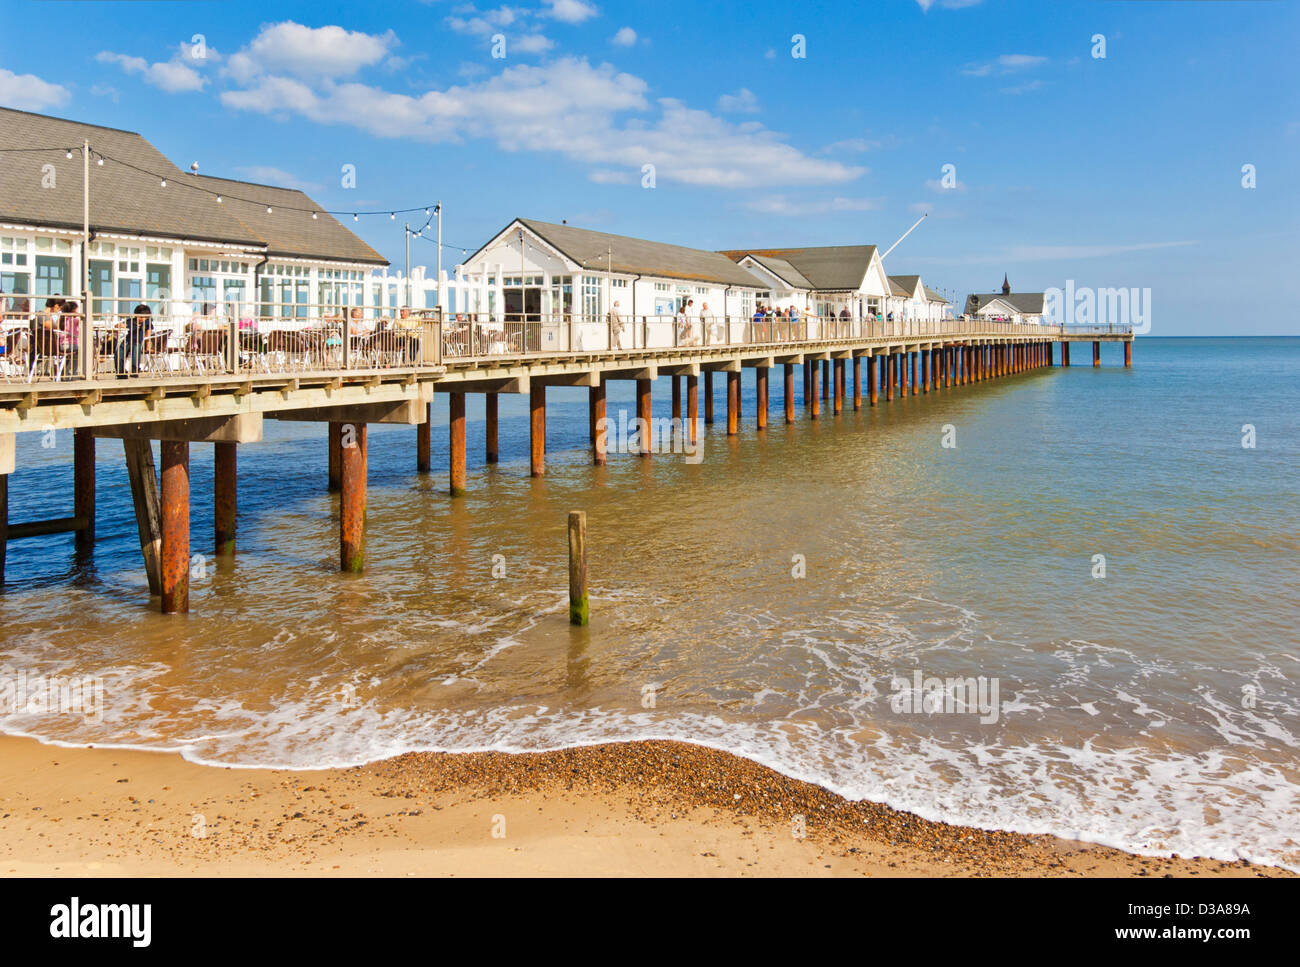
1122,171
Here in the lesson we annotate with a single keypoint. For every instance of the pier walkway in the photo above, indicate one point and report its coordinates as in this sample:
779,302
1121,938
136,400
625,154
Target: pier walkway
214,379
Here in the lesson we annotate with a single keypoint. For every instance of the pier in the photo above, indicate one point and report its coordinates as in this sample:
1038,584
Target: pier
207,391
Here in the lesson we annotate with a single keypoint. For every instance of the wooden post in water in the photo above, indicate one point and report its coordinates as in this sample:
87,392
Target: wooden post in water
807,381
789,392
873,386
915,360
1128,357
760,391
693,405
456,442
677,400
175,566
423,443
537,428
815,397
335,456
837,368
826,379
708,397
579,612
925,369
225,486
857,382
1065,353
491,408
643,414
1096,354
599,435
4,523
148,507
352,499
740,394
83,488
733,403
887,375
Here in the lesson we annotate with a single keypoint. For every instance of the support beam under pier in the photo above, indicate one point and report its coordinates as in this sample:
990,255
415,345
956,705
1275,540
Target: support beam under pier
352,500
175,565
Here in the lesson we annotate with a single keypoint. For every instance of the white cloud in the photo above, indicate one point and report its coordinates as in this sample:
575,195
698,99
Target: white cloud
861,145
625,37
781,205
309,52
742,102
277,177
532,44
1006,64
567,107
27,92
571,11
946,4
174,76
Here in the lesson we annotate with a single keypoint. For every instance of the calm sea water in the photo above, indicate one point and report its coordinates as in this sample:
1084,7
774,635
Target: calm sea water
1156,709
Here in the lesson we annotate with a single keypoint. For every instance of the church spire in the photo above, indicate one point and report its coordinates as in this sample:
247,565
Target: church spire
1006,284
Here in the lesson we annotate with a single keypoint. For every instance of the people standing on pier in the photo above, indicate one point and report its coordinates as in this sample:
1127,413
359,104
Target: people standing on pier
615,320
138,327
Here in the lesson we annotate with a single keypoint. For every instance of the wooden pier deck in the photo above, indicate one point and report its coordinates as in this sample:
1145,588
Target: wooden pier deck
227,407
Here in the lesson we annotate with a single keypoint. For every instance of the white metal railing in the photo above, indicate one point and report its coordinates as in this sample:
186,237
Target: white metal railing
43,345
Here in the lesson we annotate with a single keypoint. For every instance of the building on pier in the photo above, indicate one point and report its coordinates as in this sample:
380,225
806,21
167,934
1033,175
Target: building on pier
838,278
1006,306
549,276
174,239
912,299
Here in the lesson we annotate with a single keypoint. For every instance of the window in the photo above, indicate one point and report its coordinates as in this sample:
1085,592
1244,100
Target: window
52,274
158,287
618,283
591,296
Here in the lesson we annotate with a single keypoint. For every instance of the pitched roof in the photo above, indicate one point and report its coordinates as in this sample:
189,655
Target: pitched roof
133,202
933,296
637,256
783,270
905,282
829,268
1027,303
286,232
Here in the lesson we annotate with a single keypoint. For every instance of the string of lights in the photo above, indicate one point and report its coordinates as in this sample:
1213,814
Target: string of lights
220,197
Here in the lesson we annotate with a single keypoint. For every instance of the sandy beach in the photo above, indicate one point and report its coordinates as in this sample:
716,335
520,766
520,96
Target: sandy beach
632,809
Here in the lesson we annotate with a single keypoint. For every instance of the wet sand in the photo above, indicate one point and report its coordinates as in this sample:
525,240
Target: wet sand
632,809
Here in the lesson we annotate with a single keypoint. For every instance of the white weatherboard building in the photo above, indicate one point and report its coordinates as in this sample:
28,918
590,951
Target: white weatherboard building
185,244
1007,306
912,299
822,281
559,276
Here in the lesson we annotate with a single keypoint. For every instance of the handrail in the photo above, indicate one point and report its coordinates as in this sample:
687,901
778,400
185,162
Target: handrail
299,339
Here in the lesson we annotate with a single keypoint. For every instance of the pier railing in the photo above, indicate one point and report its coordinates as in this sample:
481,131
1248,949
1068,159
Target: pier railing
298,339
267,338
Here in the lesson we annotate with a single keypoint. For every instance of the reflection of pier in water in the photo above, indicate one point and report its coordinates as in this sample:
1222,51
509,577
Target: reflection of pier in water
220,394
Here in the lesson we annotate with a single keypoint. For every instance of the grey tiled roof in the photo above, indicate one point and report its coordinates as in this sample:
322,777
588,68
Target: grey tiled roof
636,256
135,203
783,270
933,296
1027,303
287,232
831,268
905,282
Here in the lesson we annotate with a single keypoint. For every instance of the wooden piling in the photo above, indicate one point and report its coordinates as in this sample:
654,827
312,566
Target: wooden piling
1065,353
815,398
677,400
599,435
491,408
826,379
760,392
857,382
175,565
915,362
1096,354
456,442
335,456
708,397
83,488
423,443
733,403
1128,354
579,611
352,500
225,486
537,429
693,406
925,369
789,392
148,507
887,375
837,373
643,412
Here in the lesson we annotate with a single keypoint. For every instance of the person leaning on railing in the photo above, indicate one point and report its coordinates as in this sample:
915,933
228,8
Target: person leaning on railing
139,326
